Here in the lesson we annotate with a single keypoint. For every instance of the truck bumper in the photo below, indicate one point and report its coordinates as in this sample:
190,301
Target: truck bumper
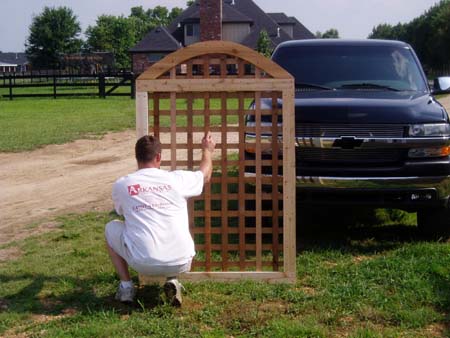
397,192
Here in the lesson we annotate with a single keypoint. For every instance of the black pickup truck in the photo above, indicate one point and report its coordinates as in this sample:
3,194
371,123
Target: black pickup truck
368,129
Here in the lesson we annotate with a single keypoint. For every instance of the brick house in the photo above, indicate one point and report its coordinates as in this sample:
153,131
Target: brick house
13,62
239,21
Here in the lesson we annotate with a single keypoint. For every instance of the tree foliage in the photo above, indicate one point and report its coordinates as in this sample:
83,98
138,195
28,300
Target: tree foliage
117,34
152,18
332,33
53,32
429,34
264,44
112,34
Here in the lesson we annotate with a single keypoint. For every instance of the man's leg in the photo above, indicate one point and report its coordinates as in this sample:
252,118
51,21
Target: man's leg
116,250
120,264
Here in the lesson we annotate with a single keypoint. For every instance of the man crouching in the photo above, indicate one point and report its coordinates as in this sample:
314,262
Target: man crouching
155,239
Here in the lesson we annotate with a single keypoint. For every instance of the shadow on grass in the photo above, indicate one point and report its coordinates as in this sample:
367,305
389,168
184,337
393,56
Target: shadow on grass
362,240
440,282
354,230
36,298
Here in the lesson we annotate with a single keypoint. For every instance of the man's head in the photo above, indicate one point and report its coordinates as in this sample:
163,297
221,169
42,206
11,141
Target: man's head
148,152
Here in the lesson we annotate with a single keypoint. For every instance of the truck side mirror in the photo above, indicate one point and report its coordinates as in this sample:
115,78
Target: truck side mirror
441,85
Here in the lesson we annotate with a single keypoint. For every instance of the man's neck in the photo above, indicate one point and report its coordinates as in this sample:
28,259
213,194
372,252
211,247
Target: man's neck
148,165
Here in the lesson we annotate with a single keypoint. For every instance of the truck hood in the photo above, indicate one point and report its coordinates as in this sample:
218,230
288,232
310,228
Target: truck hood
364,106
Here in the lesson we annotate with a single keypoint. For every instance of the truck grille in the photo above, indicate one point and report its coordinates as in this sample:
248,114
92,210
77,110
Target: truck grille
357,130
346,156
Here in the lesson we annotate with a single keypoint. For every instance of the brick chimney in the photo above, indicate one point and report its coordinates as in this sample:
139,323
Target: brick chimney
210,20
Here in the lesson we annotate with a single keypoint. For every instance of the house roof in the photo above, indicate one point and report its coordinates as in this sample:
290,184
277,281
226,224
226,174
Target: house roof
4,64
260,18
233,11
281,19
300,31
14,58
252,39
158,40
229,15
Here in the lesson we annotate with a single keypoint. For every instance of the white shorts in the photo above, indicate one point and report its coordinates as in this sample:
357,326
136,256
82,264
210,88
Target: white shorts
114,237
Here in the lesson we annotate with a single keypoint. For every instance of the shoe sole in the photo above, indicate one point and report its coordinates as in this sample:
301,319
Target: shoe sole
125,301
171,293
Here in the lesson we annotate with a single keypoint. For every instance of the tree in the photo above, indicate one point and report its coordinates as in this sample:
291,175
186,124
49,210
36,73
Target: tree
332,33
264,44
112,34
383,31
429,34
190,3
117,34
53,32
149,19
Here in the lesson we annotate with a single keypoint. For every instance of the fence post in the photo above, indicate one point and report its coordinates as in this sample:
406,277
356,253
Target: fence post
10,87
133,85
101,85
54,85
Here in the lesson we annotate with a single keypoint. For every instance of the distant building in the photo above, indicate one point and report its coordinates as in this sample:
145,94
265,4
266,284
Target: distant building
13,62
240,21
88,63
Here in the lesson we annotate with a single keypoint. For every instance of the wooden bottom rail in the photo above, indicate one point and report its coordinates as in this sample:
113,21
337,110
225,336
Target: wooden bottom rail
229,276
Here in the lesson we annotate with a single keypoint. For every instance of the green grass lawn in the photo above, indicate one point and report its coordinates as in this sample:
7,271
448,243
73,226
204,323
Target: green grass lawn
373,282
365,282
73,90
30,123
27,124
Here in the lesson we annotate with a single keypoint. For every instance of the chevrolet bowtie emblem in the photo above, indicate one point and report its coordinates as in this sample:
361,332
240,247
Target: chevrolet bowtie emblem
347,142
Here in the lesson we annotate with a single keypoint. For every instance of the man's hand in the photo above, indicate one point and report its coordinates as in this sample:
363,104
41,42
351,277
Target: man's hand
208,142
208,146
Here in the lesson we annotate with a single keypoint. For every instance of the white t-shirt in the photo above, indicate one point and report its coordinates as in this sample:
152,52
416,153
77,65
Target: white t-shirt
153,202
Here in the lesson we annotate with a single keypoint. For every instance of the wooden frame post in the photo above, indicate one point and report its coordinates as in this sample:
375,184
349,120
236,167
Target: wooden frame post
141,114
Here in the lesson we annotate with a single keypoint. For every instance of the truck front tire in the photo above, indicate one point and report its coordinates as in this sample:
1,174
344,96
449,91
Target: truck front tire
434,222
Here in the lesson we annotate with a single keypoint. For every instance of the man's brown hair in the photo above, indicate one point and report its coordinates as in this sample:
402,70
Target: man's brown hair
147,147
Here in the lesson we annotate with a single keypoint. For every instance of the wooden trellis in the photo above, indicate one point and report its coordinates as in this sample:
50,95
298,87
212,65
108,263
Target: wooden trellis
243,224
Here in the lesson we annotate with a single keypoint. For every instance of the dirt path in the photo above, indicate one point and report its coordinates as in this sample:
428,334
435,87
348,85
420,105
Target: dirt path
60,178
57,179
73,177
446,102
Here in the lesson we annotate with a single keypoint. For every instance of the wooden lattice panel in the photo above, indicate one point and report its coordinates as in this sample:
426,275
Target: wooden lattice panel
243,224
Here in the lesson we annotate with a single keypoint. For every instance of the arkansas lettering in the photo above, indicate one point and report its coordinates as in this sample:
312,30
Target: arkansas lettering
136,189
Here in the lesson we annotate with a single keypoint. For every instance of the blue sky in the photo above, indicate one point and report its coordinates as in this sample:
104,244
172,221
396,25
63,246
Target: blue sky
352,18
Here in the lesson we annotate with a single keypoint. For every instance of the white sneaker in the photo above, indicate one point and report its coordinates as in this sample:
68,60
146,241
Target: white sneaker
172,289
125,295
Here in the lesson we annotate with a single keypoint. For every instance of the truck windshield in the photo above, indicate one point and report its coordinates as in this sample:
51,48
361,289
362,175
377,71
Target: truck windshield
352,67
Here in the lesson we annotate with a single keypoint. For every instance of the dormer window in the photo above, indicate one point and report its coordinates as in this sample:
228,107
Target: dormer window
192,30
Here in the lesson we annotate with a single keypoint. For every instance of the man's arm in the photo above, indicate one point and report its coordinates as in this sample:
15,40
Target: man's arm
208,146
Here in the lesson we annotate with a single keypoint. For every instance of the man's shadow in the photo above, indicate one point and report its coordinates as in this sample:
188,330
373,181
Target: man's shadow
34,298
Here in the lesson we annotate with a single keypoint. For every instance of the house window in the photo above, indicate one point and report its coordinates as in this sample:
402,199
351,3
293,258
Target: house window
192,29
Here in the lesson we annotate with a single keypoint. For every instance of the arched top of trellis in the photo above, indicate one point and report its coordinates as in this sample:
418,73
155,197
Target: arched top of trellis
228,48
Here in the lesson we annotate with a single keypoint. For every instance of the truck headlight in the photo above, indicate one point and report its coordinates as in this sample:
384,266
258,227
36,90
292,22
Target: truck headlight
429,152
432,129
